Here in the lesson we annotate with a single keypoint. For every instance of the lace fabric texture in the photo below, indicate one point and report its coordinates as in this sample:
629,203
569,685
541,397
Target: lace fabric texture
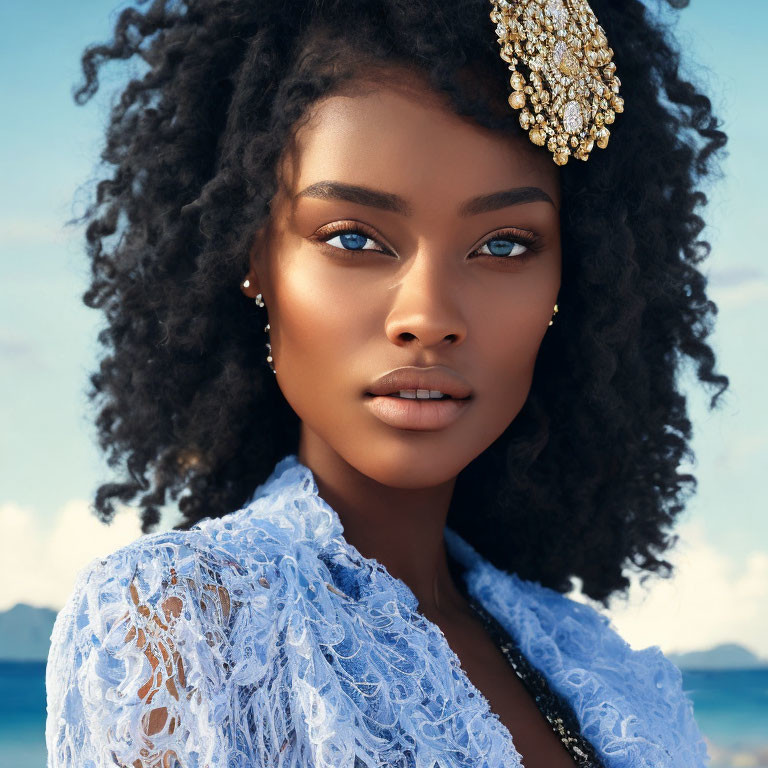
555,710
263,638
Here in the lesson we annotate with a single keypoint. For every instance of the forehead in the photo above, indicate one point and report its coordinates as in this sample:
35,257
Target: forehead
403,137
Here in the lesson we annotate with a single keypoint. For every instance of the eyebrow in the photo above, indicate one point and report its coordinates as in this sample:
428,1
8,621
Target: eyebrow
353,193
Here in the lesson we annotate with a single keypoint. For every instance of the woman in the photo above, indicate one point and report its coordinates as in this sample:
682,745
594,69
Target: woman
407,378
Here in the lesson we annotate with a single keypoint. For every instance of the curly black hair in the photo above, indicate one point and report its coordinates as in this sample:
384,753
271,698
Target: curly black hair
586,481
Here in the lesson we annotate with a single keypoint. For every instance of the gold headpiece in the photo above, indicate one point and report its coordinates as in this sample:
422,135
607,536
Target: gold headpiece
573,91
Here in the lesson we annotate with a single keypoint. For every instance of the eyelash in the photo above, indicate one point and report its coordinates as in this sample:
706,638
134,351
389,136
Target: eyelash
516,236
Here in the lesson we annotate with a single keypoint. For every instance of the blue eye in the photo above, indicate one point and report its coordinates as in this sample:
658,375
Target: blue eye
351,241
499,246
506,245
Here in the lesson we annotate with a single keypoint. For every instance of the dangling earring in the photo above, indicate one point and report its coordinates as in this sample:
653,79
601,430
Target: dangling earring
260,303
269,350
553,315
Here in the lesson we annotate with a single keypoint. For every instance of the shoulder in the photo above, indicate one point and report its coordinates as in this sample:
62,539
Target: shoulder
178,633
631,700
244,555
161,636
220,573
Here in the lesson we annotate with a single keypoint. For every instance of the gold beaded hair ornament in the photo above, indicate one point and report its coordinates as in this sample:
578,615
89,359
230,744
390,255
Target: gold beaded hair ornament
572,92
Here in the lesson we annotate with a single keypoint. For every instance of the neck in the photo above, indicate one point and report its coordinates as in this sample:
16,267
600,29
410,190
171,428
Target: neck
402,528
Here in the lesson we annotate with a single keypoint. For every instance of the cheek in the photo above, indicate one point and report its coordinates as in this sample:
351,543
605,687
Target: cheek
510,343
513,357
321,320
522,339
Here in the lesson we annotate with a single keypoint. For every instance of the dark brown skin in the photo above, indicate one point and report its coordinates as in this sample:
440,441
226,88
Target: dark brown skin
424,291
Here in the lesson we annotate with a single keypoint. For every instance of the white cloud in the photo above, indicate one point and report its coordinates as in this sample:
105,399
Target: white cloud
32,230
40,561
740,294
741,449
737,274
18,350
711,599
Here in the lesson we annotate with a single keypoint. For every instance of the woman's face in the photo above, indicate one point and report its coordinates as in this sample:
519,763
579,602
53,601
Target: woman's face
405,235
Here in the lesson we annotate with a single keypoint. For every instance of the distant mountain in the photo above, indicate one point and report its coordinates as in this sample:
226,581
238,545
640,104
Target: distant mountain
25,633
725,656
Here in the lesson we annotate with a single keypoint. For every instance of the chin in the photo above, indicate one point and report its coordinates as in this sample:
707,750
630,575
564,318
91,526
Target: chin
411,466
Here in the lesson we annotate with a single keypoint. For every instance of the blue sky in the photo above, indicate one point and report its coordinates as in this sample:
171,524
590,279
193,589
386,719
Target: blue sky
50,466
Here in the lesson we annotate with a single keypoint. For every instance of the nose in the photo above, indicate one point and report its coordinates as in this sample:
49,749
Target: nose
427,307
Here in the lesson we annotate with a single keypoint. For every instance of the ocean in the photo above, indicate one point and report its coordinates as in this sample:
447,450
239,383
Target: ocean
731,708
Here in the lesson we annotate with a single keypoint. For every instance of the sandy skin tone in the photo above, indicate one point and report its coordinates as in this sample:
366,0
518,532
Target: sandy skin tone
419,286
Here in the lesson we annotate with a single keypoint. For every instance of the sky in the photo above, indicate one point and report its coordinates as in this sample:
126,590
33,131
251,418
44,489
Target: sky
50,464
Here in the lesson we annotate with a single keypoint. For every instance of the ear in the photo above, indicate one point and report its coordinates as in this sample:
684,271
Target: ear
251,284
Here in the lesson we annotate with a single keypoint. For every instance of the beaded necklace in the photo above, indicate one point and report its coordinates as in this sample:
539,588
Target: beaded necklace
555,709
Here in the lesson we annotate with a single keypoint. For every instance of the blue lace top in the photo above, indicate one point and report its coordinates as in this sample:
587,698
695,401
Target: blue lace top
263,638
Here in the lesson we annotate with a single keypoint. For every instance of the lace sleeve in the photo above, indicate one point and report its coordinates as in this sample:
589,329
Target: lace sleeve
139,670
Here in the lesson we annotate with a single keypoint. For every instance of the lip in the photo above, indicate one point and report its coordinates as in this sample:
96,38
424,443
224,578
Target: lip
414,377
422,415
419,414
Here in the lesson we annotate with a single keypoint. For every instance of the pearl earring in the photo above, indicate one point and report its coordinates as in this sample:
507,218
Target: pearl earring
553,315
260,303
269,349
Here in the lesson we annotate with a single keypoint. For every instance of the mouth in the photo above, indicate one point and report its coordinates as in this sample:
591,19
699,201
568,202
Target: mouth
422,395
408,410
419,397
436,382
